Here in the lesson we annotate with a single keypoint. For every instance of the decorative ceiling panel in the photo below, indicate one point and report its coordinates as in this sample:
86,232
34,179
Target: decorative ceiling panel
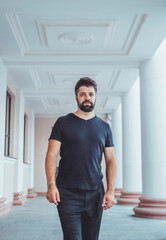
49,80
81,34
68,80
114,36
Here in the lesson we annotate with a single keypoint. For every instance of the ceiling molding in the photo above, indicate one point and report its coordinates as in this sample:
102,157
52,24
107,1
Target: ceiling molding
36,79
48,105
100,65
114,78
43,100
104,101
75,38
67,92
95,52
66,77
77,25
134,30
17,30
18,33
51,78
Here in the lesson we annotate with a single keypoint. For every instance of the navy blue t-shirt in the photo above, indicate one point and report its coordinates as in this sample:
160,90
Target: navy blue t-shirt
82,146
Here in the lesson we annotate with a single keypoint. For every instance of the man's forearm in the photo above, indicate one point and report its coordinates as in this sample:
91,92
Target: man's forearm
50,168
111,175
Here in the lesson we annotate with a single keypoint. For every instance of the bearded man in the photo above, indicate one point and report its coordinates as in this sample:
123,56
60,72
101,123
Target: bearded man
78,191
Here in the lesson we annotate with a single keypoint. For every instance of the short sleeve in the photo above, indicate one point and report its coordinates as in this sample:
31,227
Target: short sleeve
56,131
109,138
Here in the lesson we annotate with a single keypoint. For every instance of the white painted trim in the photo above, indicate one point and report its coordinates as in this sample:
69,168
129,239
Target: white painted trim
10,159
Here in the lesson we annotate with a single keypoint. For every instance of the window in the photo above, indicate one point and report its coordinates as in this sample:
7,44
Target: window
7,124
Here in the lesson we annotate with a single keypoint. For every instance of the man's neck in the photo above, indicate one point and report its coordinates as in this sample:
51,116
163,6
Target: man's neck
84,115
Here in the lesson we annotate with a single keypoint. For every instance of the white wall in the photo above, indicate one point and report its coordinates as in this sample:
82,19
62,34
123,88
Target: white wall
43,127
8,182
26,177
3,75
31,142
14,175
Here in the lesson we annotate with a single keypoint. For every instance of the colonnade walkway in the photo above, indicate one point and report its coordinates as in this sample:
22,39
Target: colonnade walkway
38,220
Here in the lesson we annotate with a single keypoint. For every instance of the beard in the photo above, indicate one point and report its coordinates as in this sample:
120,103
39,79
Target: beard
86,108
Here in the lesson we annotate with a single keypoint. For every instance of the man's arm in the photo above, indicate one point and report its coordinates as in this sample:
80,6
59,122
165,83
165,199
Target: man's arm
108,200
50,169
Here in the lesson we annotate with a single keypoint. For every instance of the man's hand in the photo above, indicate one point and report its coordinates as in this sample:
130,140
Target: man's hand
108,200
53,194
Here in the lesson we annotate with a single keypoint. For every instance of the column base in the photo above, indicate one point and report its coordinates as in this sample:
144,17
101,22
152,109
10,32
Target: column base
129,198
41,193
19,198
31,193
151,208
118,192
4,207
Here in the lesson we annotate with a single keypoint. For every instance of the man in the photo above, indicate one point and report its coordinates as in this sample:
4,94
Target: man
78,191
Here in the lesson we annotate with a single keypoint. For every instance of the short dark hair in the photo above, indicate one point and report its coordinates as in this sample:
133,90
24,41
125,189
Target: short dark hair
85,81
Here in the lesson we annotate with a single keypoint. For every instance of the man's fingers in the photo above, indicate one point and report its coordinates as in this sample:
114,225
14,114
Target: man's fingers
108,204
51,198
53,195
57,197
104,201
54,200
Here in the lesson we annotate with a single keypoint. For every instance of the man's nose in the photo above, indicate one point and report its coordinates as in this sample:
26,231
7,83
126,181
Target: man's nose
87,97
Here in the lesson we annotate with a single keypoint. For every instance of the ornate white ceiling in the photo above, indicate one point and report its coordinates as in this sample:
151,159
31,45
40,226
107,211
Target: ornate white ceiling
48,47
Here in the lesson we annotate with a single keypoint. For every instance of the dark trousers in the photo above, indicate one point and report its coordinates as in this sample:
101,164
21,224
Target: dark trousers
80,213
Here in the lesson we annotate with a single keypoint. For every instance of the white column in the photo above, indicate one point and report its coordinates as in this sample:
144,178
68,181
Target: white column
31,144
3,82
131,147
4,208
19,197
31,131
19,141
153,127
117,136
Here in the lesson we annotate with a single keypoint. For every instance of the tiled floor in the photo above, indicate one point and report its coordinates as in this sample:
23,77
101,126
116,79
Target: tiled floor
38,220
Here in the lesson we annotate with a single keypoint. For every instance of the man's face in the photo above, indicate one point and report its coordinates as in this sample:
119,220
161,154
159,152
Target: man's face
86,98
